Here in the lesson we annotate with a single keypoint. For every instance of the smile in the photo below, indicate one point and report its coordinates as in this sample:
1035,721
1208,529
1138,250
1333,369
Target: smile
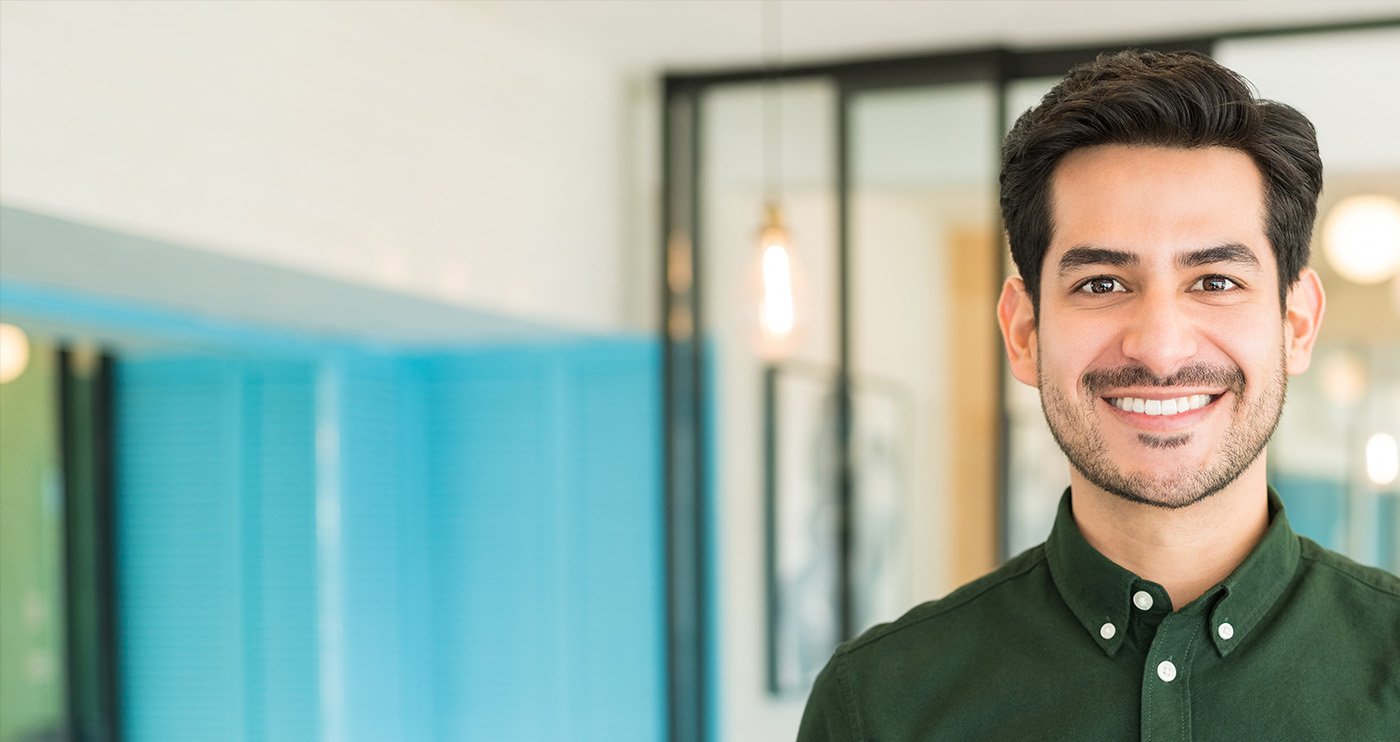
1157,407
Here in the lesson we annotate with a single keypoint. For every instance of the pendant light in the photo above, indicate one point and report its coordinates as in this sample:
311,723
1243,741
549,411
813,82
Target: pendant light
777,281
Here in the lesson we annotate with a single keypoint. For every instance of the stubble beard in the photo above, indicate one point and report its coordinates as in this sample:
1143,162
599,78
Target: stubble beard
1076,430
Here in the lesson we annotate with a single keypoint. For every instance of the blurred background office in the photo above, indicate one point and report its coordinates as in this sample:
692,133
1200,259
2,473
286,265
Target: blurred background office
566,370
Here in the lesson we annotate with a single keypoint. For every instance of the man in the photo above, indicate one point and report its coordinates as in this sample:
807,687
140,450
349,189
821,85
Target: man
1160,217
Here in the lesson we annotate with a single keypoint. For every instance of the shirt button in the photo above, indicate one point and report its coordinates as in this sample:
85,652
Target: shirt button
1226,631
1166,671
1107,631
1143,600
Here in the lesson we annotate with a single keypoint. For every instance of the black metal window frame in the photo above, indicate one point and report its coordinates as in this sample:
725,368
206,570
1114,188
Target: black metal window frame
86,430
685,427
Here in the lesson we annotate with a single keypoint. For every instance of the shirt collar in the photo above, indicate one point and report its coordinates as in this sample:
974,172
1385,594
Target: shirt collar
1100,593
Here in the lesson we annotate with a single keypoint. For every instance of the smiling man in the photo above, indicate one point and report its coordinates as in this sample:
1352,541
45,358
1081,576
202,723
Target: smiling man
1160,217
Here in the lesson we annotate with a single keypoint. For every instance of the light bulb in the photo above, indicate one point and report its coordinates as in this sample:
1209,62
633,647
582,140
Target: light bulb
1382,459
778,284
1361,238
776,317
14,353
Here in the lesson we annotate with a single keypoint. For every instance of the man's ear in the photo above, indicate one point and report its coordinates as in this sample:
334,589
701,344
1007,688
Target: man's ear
1302,319
1016,314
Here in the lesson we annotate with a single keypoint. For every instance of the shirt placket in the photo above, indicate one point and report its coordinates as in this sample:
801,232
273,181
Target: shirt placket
1166,701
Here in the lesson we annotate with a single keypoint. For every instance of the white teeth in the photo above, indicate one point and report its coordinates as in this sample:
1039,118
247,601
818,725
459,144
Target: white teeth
1161,406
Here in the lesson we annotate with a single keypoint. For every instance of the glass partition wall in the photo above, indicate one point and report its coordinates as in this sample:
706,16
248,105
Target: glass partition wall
884,455
57,600
922,267
1333,459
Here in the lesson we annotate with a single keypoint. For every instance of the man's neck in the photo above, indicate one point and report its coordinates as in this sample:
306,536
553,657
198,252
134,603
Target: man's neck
1187,550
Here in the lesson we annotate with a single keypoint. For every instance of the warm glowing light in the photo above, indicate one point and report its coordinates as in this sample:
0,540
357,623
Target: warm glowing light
778,285
14,353
1382,459
1361,238
777,291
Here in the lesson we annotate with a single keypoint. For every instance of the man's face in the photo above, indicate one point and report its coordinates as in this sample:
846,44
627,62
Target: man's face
1160,352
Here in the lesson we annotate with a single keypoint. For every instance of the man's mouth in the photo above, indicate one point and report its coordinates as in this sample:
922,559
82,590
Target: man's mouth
1160,407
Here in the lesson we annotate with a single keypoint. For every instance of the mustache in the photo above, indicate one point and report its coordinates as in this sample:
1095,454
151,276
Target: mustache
1200,374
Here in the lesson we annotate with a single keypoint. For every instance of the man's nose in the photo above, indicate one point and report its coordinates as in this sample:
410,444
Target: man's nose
1161,335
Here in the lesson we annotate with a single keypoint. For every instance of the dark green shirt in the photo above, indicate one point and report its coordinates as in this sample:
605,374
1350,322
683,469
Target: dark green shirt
1061,643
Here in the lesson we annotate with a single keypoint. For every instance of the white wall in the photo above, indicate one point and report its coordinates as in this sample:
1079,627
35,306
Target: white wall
425,148
1345,83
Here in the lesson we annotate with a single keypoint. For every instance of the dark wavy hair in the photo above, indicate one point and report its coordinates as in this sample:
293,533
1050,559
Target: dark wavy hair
1176,99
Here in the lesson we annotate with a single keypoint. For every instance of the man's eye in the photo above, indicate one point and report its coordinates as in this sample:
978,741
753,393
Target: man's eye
1214,283
1101,286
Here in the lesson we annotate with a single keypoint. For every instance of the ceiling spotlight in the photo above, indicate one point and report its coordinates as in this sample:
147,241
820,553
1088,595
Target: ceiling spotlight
1382,459
1361,238
14,353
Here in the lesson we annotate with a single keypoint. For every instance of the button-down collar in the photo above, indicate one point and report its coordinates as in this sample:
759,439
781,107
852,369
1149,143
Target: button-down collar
1253,588
1101,593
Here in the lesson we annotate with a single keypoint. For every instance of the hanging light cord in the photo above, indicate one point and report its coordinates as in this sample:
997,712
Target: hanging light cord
772,99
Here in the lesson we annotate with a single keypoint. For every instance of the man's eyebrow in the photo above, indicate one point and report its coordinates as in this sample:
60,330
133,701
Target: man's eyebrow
1078,257
1231,253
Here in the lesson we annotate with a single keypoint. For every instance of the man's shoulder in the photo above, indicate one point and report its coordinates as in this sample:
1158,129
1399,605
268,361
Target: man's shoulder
1368,583
924,623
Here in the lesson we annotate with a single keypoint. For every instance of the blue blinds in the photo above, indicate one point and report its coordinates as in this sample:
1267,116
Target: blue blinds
215,550
547,544
487,562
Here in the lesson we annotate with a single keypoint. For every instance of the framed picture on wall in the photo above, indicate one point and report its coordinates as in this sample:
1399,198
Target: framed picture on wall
802,515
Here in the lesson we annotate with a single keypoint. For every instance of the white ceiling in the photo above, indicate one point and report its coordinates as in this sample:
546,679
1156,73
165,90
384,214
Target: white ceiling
654,35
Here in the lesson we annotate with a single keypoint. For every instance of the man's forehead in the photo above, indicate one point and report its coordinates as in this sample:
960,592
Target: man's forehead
1157,201
1111,175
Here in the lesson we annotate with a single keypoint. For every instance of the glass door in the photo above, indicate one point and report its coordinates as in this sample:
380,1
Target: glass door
923,273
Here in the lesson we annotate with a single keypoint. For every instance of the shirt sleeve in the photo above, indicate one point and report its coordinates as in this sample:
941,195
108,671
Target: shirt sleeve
826,718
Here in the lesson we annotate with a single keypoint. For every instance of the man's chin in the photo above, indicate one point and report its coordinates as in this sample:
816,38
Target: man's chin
1171,491
1159,457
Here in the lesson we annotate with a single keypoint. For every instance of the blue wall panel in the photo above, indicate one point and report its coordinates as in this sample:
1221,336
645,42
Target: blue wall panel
1318,508
1315,507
